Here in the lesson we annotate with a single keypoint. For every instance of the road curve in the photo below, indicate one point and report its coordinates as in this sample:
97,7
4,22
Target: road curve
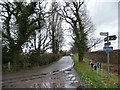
57,75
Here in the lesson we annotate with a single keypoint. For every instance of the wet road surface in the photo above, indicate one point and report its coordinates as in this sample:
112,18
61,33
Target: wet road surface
60,74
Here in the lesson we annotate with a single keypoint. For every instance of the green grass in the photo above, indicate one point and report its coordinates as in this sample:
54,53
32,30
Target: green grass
91,78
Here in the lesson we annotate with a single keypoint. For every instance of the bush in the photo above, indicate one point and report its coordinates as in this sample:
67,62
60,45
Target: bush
43,59
6,56
28,61
21,62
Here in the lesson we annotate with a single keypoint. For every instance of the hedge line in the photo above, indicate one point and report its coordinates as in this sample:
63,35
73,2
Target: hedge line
29,61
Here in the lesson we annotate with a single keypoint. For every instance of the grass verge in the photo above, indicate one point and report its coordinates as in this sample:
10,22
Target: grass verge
91,78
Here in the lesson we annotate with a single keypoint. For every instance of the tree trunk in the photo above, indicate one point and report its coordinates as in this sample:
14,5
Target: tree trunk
80,56
15,53
53,42
80,51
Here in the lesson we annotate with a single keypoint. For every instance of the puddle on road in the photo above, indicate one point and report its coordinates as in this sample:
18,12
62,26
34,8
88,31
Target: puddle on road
46,85
43,74
73,79
36,85
70,78
76,82
69,69
66,72
53,78
56,85
55,71
70,75
25,80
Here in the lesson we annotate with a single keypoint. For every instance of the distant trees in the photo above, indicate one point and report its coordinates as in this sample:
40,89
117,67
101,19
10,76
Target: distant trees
55,26
72,13
75,14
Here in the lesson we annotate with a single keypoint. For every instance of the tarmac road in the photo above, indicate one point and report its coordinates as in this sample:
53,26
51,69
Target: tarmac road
60,74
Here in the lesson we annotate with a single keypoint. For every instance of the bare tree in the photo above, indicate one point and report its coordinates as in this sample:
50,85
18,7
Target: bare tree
76,15
55,26
42,34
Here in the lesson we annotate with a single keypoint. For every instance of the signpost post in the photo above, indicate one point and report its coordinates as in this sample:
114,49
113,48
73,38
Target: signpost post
107,34
107,48
108,58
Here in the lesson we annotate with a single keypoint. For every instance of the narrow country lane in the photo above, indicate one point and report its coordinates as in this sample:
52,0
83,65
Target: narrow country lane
60,74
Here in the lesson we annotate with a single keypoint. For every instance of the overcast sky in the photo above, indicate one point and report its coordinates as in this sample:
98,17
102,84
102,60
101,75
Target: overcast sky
104,15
